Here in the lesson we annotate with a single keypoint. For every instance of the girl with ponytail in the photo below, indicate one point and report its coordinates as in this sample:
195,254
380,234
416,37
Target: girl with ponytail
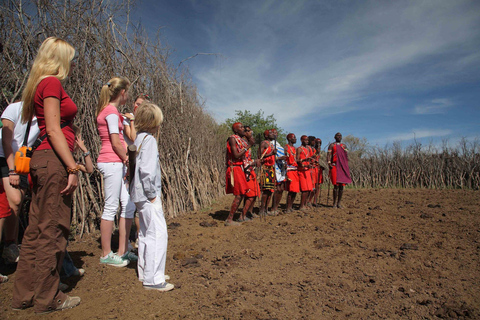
111,162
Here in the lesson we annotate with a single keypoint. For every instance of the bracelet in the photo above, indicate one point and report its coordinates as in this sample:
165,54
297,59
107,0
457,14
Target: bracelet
12,173
11,170
73,170
86,154
132,119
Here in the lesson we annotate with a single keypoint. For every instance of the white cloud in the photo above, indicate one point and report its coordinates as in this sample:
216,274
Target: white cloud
433,107
417,134
286,61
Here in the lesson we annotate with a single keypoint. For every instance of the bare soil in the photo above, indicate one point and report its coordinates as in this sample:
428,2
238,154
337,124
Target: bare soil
389,254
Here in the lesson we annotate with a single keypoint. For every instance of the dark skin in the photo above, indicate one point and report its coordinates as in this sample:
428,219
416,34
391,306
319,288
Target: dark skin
337,189
318,147
266,194
249,201
280,187
303,163
291,195
237,154
311,145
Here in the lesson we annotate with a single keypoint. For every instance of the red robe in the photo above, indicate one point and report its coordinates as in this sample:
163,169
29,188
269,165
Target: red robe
293,183
239,184
333,169
304,174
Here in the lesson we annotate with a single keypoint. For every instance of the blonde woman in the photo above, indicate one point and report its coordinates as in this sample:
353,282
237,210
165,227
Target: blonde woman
112,164
54,175
146,191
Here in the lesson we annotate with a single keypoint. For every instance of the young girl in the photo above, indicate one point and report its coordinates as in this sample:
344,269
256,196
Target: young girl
146,191
112,164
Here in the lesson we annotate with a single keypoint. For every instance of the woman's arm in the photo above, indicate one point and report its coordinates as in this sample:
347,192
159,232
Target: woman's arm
7,138
88,168
118,147
57,139
130,130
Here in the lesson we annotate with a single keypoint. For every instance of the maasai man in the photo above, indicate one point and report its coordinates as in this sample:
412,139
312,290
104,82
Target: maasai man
337,160
254,188
320,167
280,172
313,168
292,184
267,178
235,177
304,175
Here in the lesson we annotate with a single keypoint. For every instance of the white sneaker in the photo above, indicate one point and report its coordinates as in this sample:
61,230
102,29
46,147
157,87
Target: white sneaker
165,286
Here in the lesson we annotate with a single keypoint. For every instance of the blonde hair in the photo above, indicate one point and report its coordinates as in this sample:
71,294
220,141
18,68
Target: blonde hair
53,59
148,116
110,91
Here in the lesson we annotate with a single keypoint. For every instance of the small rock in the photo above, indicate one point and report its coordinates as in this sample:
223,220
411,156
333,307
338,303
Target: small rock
174,225
208,224
409,246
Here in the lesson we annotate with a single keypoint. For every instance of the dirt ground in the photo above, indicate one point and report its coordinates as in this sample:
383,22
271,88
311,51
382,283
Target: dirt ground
390,254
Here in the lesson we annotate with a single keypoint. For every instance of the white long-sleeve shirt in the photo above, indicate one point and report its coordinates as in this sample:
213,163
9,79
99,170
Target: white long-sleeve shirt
147,180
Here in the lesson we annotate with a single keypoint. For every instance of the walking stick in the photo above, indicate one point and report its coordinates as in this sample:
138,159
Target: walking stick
328,194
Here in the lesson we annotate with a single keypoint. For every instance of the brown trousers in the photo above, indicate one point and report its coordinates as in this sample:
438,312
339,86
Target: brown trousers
45,239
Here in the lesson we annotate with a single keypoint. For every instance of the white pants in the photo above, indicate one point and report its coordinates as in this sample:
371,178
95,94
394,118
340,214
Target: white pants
152,242
115,190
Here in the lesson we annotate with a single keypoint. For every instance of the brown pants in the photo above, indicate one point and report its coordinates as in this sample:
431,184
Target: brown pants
45,240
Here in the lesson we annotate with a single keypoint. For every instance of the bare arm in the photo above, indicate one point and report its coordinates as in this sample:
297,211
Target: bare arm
118,147
57,139
329,155
7,138
88,168
130,130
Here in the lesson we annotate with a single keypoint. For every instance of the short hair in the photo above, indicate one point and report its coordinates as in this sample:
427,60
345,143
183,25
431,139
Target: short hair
311,138
148,117
302,137
290,136
235,125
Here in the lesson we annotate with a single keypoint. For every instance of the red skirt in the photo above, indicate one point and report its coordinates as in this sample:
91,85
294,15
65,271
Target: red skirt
253,187
293,184
305,178
240,186
320,176
333,176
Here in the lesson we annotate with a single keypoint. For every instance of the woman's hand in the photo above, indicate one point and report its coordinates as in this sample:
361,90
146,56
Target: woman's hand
128,116
14,180
80,143
71,185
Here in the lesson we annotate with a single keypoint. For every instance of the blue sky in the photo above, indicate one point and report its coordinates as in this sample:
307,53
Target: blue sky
384,70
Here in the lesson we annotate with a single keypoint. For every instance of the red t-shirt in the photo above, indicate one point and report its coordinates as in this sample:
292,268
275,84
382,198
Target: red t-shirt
51,87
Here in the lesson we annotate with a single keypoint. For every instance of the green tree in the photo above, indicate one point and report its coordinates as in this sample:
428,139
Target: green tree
259,123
